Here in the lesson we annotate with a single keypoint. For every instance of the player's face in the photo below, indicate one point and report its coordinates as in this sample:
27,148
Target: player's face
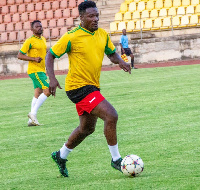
37,28
90,19
124,31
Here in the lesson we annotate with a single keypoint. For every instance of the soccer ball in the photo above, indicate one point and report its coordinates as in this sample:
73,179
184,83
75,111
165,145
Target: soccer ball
132,165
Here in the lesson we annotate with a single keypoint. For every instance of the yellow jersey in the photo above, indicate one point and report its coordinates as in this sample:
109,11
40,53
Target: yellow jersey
35,47
86,52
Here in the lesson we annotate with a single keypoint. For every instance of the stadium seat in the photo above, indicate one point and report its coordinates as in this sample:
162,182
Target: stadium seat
55,33
52,23
123,7
79,1
1,19
30,7
41,15
44,0
141,6
129,1
4,37
18,26
4,10
168,3
130,25
27,1
2,27
38,6
145,14
154,13
150,5
16,17
32,16
69,22
172,11
159,4
24,17
113,26
21,8
29,33
58,13
36,1
181,11
197,10
9,27
21,36
75,12
185,2
136,14
148,23
194,20
72,3
195,2
19,1
175,21
121,26
163,12
2,2
27,25
46,33
10,2
139,25
12,36
61,22
49,14
166,23
44,23
157,24
7,18
176,3
184,21
127,16
47,6
13,9
63,4
63,30
132,7
190,9
118,16
55,5
66,13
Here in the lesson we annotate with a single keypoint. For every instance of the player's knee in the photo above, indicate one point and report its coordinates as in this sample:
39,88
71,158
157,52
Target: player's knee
112,118
88,131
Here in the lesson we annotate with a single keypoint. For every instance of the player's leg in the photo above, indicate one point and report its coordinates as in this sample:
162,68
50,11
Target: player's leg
132,60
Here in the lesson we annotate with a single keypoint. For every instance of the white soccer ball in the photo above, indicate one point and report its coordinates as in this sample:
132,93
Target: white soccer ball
132,165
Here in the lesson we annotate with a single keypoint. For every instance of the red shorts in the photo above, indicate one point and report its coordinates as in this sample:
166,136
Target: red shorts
89,102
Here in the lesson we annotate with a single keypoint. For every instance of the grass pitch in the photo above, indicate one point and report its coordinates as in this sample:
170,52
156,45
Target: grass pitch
159,120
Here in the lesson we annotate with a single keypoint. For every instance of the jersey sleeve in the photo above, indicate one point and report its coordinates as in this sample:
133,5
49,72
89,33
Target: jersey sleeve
120,41
25,47
62,46
110,48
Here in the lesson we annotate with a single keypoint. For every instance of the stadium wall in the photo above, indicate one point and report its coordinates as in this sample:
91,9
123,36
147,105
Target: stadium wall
150,50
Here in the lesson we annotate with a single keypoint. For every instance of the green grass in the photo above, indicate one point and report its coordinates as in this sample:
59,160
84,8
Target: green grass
159,120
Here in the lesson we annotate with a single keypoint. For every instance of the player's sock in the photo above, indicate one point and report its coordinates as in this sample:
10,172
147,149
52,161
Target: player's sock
64,151
132,63
34,100
39,102
114,152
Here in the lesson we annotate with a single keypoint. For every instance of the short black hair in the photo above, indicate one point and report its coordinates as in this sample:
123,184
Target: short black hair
85,5
32,23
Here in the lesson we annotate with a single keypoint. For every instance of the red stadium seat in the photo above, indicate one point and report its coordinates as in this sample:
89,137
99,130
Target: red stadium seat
75,12
41,15
55,33
4,10
13,9
44,23
12,36
18,26
46,33
16,17
58,13
7,18
63,30
21,36
63,4
69,22
61,22
47,6
30,7
32,16
66,13
4,37
55,5
2,27
24,17
19,1
1,19
10,27
38,6
2,2
44,0
72,3
10,2
27,25
52,23
21,8
36,1
29,33
27,1
49,14
79,2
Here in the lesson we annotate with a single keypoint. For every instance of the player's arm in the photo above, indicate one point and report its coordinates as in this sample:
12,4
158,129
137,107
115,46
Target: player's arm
116,59
122,48
53,83
24,57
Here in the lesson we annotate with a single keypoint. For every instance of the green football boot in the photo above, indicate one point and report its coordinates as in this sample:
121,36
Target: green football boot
117,164
61,163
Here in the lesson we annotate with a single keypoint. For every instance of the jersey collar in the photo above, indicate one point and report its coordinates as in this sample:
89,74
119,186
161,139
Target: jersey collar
85,30
37,37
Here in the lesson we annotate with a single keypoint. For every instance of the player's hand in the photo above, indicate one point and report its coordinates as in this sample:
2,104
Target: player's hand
53,84
38,59
125,66
123,51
